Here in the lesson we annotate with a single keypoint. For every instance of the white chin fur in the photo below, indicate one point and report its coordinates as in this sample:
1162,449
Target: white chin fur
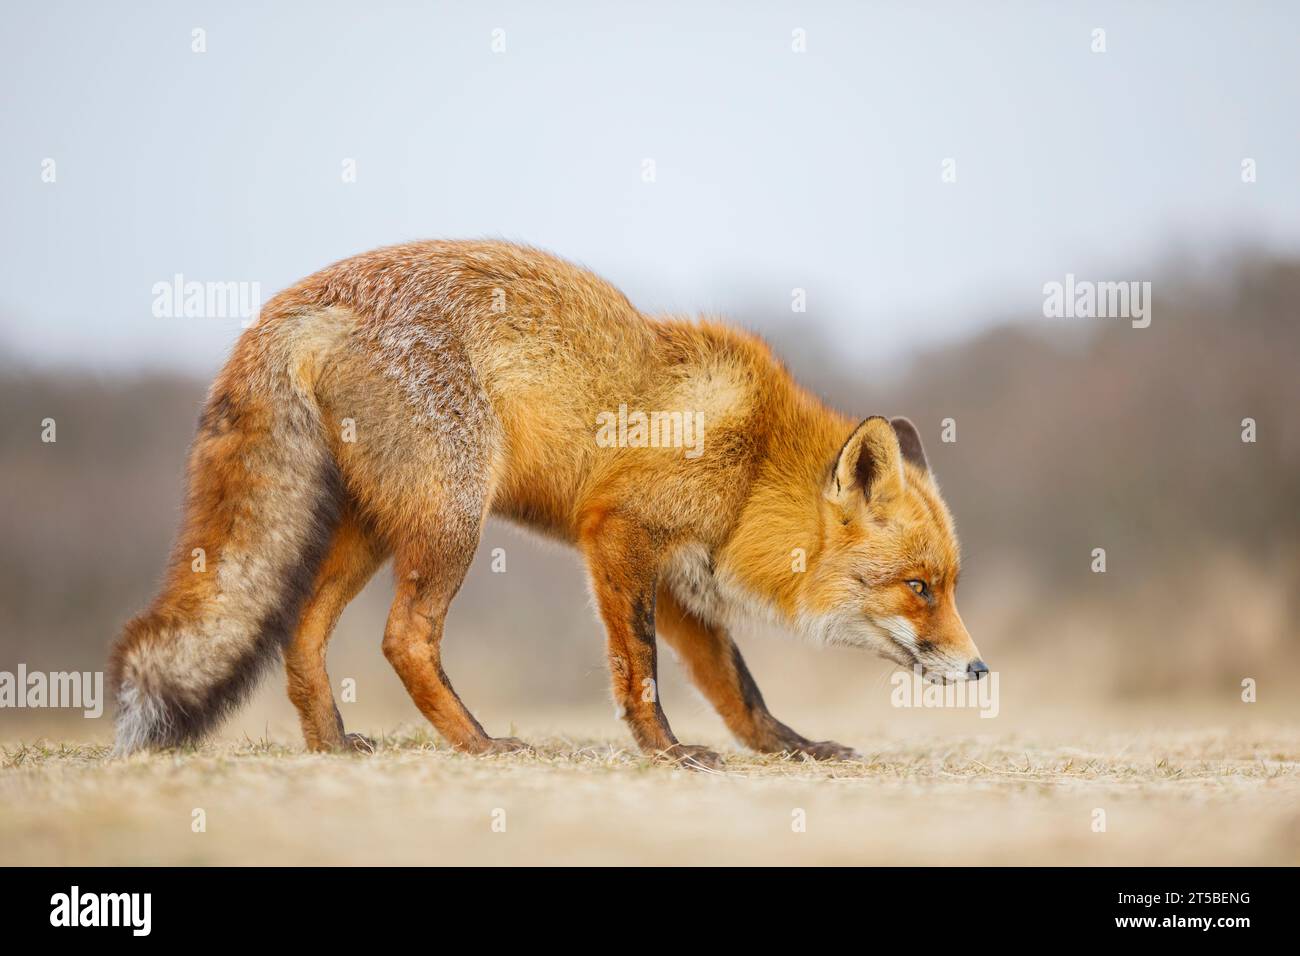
849,628
893,638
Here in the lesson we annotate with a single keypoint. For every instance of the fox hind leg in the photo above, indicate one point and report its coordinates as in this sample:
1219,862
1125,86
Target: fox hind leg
419,455
429,568
432,505
354,555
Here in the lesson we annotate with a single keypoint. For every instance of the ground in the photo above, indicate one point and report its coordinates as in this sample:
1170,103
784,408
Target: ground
1188,797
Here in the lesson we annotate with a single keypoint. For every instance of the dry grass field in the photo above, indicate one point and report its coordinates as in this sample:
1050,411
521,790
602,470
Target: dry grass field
1222,796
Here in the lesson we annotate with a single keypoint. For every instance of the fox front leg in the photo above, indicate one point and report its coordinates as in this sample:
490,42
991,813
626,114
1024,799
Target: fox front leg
621,562
717,668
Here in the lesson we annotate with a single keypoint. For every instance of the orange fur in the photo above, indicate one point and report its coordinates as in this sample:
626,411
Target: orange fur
416,389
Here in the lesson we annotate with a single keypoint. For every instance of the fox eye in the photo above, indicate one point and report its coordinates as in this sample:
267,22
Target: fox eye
919,587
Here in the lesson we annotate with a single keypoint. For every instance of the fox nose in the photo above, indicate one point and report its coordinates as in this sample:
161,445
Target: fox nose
976,669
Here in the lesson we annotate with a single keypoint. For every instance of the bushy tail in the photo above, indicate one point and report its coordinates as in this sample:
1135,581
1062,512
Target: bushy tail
263,499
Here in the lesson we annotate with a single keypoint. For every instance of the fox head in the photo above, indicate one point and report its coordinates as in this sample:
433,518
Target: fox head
885,574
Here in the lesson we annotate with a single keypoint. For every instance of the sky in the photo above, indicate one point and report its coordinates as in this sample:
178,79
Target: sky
773,169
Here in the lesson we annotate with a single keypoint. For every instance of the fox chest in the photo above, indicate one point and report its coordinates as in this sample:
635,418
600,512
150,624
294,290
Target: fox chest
691,576
712,595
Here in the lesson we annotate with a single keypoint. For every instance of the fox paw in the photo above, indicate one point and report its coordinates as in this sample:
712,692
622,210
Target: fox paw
505,745
825,750
692,757
357,743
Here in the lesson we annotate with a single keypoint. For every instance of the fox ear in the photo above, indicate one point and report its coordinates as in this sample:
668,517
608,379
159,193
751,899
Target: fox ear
869,466
909,442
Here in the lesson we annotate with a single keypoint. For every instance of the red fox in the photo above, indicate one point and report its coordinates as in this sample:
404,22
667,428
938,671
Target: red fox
385,406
